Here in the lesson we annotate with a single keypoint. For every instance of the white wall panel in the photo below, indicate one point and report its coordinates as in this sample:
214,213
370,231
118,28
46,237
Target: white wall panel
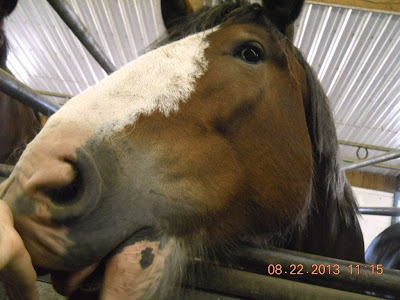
371,225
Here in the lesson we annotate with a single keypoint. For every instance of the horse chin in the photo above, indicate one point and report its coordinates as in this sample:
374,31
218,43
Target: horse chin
132,268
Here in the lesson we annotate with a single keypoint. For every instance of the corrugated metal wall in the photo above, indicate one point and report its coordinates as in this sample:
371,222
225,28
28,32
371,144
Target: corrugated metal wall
46,55
356,55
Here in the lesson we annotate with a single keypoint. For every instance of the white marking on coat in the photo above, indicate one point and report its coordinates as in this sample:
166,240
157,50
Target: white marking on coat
158,80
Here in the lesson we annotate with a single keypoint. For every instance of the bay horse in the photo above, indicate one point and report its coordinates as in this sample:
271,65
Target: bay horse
385,248
220,138
19,124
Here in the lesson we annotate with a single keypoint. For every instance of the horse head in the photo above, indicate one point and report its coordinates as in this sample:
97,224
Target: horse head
189,150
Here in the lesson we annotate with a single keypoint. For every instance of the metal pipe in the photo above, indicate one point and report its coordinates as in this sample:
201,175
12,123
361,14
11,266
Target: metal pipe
375,160
368,146
19,91
76,25
396,201
328,272
383,166
54,94
380,211
6,170
247,285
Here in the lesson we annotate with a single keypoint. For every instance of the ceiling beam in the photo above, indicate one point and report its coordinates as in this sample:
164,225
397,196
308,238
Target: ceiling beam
389,6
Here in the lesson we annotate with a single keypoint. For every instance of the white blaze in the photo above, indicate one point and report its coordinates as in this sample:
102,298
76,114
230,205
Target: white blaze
158,80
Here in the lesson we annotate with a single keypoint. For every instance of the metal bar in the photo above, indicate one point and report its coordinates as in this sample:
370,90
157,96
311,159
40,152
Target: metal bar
54,94
5,170
76,25
372,161
396,203
380,211
369,146
254,286
19,91
347,278
383,166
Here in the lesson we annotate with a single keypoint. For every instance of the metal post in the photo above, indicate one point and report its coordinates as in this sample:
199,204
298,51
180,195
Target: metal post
375,160
19,91
380,211
396,199
76,25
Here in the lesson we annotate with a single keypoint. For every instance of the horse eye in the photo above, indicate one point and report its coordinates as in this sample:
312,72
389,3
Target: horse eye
250,53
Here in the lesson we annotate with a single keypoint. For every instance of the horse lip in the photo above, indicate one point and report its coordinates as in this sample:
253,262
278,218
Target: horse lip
86,279
89,279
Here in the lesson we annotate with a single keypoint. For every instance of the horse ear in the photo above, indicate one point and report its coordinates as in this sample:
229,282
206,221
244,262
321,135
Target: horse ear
6,7
174,10
283,12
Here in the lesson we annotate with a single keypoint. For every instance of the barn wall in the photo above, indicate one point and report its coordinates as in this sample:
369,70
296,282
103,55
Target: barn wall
371,226
384,183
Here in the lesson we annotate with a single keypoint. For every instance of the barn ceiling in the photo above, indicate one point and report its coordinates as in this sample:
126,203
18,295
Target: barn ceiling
356,54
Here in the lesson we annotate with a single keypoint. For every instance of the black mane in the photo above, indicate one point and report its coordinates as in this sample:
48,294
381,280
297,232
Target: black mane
3,51
322,131
332,221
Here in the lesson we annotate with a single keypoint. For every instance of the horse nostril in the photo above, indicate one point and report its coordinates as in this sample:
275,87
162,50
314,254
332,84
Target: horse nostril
67,194
73,189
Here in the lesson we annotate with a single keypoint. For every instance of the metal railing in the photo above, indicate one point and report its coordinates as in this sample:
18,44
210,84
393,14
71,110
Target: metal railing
380,211
372,161
19,91
74,23
286,274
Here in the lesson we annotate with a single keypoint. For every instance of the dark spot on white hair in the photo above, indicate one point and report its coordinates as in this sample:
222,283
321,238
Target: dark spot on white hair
147,258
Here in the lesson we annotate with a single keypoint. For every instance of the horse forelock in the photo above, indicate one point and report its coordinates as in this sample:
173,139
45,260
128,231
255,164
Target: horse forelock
228,12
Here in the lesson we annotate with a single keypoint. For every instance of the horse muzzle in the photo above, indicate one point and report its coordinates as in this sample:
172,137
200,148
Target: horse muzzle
57,188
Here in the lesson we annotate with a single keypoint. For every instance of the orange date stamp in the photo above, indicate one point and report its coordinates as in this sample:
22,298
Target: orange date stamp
322,269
